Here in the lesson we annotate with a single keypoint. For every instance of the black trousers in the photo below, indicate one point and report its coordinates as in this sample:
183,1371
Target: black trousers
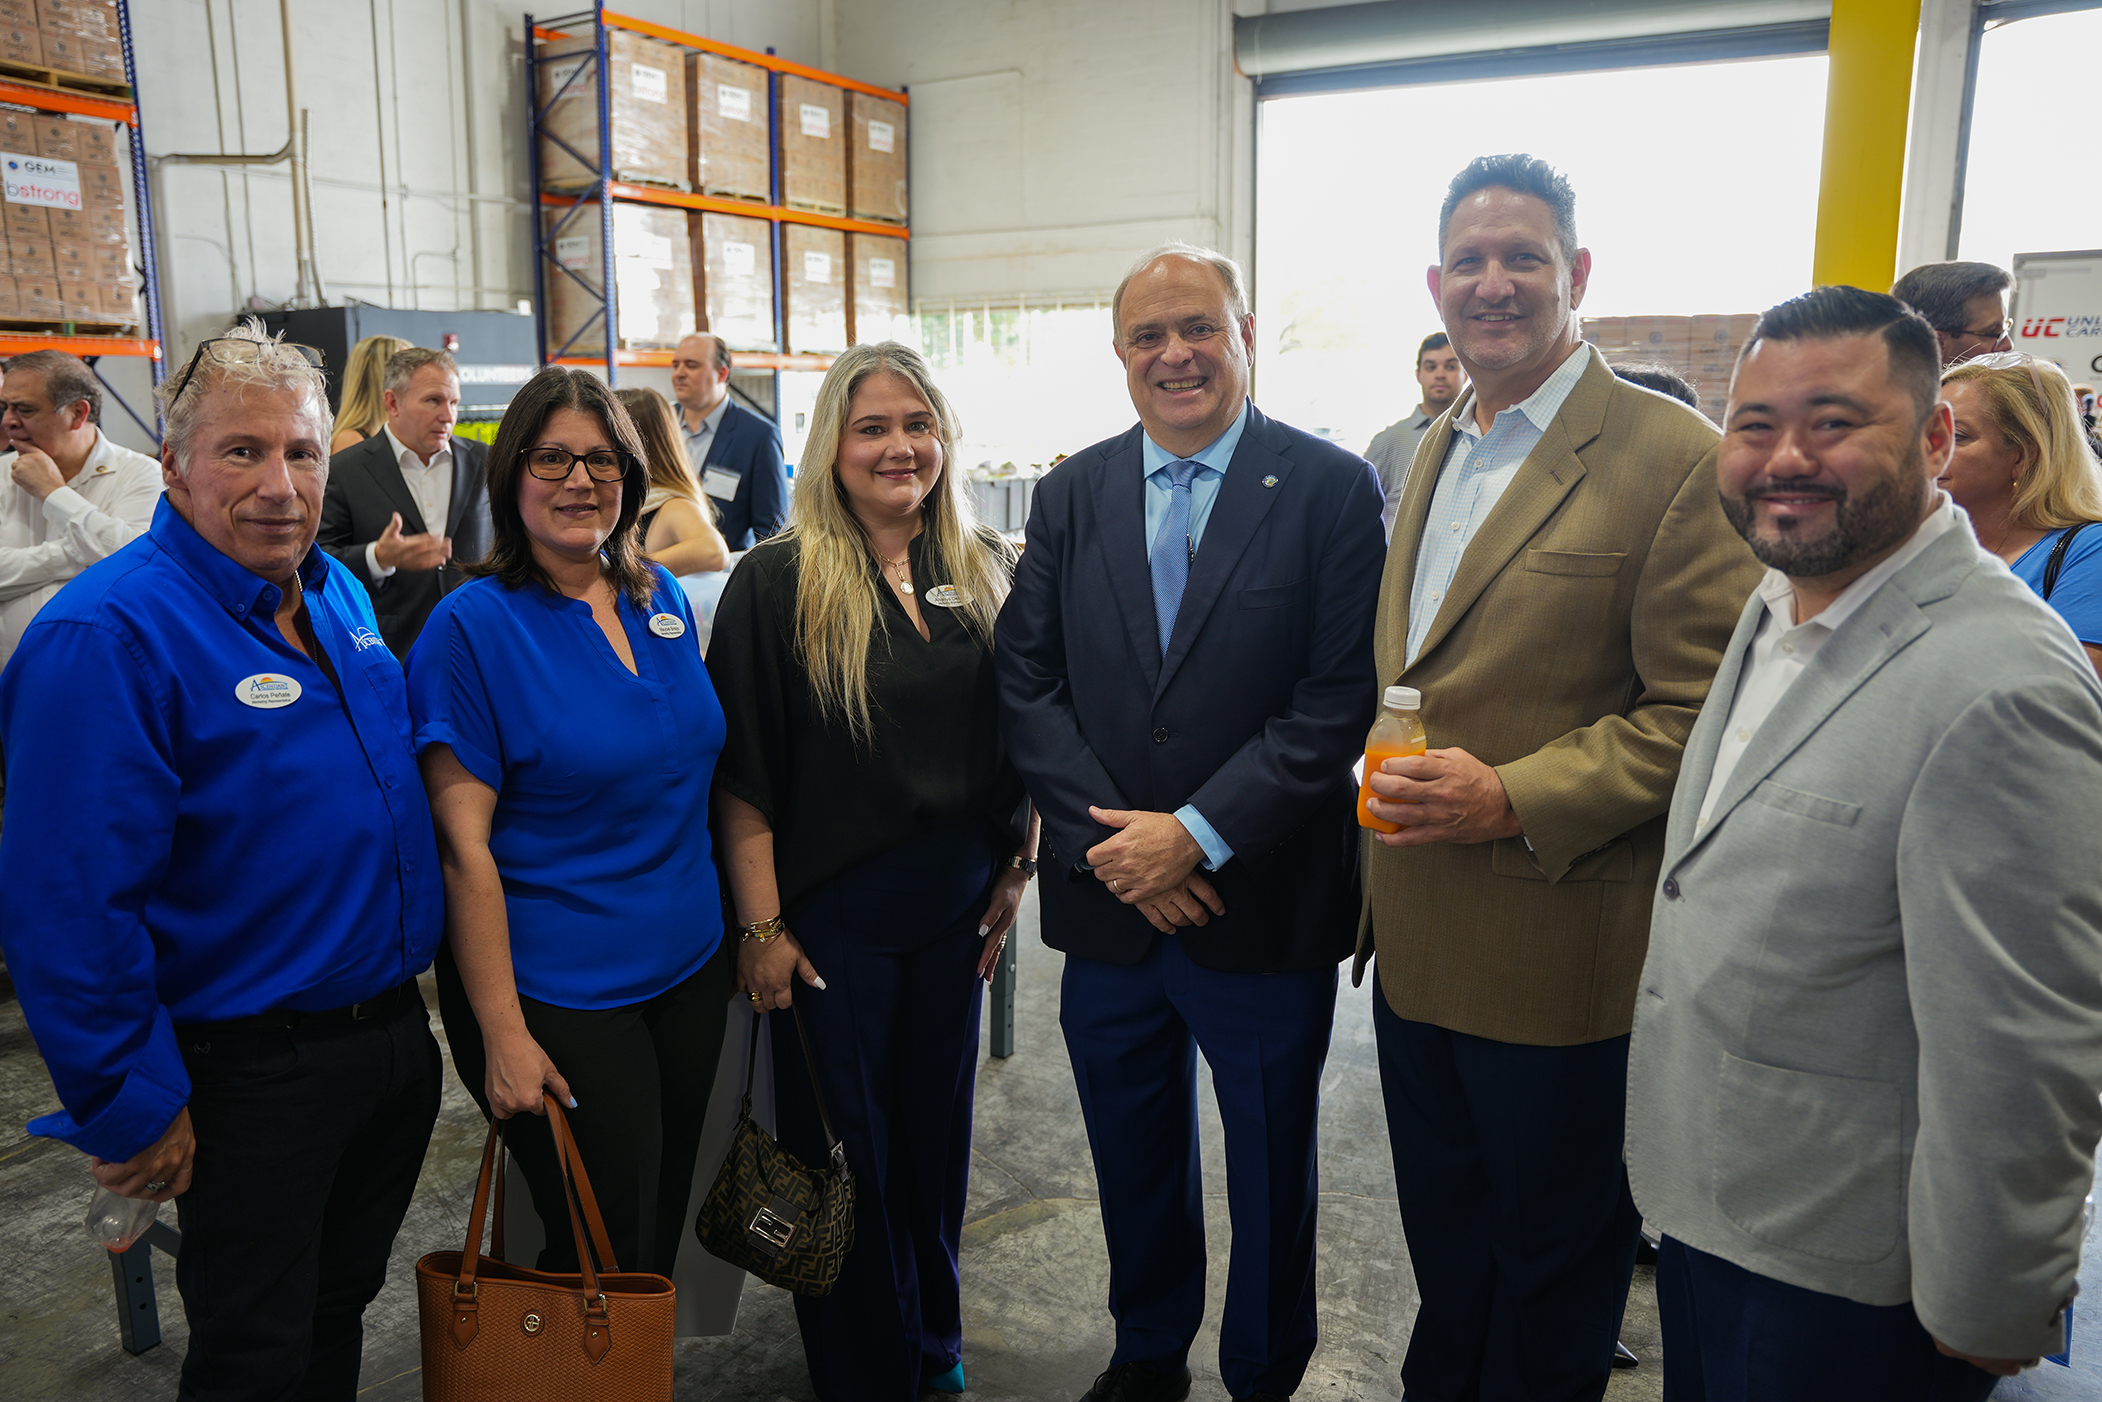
308,1146
641,1076
1516,1208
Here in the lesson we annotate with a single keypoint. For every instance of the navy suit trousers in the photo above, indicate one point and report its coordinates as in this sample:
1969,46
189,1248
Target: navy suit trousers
1733,1335
1516,1208
895,1033
1133,1033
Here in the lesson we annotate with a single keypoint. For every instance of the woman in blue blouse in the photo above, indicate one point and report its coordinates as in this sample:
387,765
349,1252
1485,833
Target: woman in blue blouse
568,734
2023,471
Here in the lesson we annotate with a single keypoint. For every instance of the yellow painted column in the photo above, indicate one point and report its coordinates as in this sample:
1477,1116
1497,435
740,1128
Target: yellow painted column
1867,102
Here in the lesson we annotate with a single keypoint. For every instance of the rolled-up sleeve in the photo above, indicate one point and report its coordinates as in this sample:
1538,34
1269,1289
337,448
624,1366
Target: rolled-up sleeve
85,733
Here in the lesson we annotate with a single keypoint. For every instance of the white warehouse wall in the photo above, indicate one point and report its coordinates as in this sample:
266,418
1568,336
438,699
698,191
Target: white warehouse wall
1053,140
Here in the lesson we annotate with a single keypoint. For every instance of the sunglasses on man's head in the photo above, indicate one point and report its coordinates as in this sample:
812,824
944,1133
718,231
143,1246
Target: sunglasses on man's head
247,351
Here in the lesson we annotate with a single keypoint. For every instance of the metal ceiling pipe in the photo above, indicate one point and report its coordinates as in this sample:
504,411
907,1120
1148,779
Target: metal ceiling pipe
1389,31
294,150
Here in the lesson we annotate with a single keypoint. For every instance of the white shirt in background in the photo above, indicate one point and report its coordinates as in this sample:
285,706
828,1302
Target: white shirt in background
44,543
431,486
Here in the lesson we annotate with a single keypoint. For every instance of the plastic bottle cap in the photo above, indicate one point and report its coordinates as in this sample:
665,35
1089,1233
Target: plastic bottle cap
1403,698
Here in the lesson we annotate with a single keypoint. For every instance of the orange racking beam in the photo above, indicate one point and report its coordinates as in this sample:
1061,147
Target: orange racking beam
650,194
64,100
778,64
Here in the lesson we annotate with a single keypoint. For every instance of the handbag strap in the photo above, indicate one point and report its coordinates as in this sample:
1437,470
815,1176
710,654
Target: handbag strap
838,1149
583,1204
584,1219
2058,557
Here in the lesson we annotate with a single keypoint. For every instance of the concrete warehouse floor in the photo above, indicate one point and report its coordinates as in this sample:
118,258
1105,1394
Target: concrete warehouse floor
1034,1267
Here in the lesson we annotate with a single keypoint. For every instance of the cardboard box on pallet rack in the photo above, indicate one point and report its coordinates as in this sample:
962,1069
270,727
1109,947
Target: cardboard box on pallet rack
733,256
32,258
876,159
88,18
25,221
810,126
20,44
38,298
648,103
18,133
652,279
116,300
880,308
729,130
10,300
57,137
18,14
815,272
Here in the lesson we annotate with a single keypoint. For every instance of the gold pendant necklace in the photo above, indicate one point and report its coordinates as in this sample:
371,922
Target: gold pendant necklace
904,581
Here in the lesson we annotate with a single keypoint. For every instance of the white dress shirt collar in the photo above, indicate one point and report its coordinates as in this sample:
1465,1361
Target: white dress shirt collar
408,458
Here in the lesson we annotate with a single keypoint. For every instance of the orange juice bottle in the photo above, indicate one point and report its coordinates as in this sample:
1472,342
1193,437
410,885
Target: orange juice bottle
1397,732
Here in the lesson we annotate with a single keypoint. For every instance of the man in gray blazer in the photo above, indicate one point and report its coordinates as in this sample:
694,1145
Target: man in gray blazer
410,504
1868,1039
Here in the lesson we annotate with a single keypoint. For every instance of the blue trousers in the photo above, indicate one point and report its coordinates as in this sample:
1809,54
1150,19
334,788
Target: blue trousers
1733,1335
1516,1207
1133,1033
895,1034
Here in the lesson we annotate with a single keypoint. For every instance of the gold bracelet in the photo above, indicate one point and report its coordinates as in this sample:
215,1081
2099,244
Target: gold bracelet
764,930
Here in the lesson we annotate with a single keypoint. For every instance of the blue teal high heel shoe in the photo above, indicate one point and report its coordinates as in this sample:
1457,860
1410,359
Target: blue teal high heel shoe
951,1381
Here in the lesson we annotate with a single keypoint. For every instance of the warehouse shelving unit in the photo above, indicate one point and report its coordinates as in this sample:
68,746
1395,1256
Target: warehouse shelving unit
91,98
605,192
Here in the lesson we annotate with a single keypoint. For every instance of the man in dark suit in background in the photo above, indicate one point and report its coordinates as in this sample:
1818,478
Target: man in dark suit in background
407,505
1185,673
735,453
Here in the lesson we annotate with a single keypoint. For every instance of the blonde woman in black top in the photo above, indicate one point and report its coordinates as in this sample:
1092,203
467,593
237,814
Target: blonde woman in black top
875,842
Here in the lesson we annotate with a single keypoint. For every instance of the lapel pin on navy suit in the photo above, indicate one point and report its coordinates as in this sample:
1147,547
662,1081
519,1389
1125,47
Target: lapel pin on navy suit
1269,481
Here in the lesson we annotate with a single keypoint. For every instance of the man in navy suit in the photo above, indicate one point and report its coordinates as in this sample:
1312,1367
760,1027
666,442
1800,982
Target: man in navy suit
1186,676
735,453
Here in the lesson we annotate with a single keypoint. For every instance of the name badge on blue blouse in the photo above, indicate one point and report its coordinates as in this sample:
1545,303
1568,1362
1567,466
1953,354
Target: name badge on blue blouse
667,625
946,596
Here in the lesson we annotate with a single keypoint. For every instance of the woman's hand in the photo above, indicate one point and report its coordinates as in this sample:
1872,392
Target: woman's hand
518,1069
767,970
999,918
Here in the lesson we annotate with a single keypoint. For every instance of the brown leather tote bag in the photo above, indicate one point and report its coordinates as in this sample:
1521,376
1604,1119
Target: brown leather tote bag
495,1332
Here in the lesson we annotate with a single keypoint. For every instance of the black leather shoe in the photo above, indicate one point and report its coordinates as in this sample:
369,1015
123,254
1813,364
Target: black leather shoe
1624,1357
1135,1382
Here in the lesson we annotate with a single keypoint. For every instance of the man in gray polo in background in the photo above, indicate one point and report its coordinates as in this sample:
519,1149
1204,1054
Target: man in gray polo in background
1393,448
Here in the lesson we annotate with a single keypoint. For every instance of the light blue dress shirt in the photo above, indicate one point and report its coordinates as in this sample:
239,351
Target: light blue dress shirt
1204,491
1478,468
700,440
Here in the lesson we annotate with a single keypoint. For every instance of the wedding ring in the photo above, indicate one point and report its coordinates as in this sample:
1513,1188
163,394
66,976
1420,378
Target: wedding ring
158,1185
1114,887
755,1000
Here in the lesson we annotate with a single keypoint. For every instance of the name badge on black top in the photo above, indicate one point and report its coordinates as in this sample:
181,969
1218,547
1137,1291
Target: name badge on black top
946,596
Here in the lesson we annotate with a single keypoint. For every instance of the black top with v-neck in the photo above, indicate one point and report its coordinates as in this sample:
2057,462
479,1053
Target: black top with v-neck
935,753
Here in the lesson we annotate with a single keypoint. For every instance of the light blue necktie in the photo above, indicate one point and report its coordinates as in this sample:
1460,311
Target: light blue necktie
1172,550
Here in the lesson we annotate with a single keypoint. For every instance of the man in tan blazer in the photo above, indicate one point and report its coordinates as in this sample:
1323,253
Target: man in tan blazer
1560,587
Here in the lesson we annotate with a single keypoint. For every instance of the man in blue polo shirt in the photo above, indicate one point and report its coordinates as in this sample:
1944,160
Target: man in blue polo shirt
218,882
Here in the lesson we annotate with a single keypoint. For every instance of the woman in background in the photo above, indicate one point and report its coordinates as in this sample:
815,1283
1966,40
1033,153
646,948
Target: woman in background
875,843
364,399
677,522
2022,471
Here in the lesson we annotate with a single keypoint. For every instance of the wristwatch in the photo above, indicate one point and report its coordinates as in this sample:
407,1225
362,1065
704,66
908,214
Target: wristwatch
1024,865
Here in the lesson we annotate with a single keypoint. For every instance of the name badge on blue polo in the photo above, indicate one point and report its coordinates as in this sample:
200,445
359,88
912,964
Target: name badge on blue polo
266,691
